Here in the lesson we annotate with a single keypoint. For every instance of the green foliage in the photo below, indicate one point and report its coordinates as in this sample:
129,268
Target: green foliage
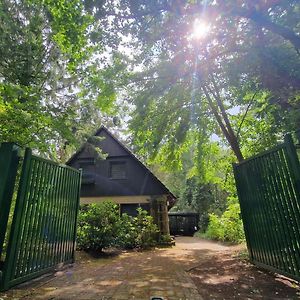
127,236
54,87
228,227
69,25
137,232
251,76
192,100
201,198
239,70
147,230
165,240
98,226
61,72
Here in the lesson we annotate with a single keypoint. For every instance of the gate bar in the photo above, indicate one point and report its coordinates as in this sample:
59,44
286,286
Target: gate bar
9,160
12,245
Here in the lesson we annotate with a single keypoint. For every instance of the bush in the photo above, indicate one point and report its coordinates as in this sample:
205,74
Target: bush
228,227
137,232
215,229
166,240
98,226
147,231
127,237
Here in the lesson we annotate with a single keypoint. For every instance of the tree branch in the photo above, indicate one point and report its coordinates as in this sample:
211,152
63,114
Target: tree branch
245,114
263,21
229,135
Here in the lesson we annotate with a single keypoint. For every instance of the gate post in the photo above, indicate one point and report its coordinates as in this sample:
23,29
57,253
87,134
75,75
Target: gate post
9,160
236,172
293,160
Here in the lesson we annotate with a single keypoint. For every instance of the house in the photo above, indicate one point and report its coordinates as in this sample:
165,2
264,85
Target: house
122,178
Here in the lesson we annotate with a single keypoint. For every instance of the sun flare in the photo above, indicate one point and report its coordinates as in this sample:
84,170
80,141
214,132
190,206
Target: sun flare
200,29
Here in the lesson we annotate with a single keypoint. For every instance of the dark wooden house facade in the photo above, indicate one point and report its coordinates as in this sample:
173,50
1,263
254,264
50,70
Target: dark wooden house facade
122,178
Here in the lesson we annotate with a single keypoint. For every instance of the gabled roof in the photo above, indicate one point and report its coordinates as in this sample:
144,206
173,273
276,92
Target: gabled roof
103,128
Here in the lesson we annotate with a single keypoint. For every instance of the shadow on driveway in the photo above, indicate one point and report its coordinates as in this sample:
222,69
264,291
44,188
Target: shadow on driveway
193,269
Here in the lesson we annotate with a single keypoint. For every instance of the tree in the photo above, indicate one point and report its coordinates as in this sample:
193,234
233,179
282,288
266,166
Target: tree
238,86
53,75
31,66
261,34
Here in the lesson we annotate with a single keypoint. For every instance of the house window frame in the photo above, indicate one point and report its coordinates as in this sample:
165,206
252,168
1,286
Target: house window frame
83,163
144,206
86,161
115,162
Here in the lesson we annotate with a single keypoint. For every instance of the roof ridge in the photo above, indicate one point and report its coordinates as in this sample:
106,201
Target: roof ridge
102,127
134,156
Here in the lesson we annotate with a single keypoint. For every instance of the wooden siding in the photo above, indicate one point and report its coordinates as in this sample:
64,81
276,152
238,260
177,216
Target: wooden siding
139,180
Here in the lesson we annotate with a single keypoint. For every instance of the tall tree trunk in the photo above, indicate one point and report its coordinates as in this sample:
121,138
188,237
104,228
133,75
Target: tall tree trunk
229,135
217,96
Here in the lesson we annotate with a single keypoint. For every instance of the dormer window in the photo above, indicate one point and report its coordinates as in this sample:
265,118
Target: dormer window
117,170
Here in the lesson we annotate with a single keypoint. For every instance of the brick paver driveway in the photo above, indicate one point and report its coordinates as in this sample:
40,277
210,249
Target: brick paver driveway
132,275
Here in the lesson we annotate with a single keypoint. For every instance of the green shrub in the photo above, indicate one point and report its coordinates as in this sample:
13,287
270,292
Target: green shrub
127,237
137,232
147,231
228,227
98,226
215,229
166,240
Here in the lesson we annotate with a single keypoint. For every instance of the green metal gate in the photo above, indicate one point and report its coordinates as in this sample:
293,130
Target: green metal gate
268,187
43,227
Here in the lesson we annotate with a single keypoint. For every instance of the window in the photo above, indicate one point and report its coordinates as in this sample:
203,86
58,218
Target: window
131,209
88,178
86,161
117,170
87,166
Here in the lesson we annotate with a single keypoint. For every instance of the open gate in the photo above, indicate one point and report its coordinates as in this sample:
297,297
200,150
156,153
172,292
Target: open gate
268,187
42,232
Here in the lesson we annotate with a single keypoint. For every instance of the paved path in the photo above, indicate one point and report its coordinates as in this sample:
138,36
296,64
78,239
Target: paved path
132,275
